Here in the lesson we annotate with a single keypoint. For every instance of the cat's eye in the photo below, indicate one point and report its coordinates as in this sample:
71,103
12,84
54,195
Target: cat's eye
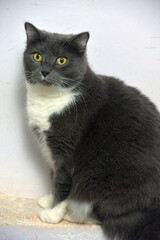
61,61
37,57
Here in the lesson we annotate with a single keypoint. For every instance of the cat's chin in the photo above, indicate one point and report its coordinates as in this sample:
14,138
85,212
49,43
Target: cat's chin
43,83
47,84
45,80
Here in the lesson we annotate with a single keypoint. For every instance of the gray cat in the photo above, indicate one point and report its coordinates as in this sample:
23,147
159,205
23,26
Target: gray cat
100,137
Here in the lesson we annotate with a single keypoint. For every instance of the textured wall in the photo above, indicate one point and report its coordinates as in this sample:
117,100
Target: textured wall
125,42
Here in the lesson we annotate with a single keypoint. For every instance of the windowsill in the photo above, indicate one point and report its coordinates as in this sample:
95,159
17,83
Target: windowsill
21,216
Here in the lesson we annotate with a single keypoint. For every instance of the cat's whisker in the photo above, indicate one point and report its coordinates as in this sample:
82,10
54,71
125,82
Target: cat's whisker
73,101
82,89
80,93
85,93
67,79
67,84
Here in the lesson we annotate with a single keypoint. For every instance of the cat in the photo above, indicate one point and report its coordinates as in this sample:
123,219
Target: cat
100,137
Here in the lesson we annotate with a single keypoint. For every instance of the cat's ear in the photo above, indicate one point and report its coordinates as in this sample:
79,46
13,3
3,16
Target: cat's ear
80,41
32,32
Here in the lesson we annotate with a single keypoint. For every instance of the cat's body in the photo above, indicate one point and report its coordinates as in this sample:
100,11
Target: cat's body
100,137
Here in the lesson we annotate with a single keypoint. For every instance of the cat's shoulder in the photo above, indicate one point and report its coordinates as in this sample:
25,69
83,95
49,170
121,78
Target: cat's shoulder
118,87
121,95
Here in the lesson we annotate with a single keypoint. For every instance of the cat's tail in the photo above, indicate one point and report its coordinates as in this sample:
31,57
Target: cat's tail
127,228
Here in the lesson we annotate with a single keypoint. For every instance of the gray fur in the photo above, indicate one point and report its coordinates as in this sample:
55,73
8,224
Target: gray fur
107,149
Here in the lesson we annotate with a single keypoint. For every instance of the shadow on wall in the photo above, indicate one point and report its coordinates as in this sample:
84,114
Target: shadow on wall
30,145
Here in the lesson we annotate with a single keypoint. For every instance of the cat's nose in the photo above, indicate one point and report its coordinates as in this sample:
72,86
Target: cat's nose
44,73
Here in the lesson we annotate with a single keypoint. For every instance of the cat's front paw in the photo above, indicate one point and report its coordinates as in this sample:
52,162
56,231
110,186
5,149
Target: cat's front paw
48,215
46,201
55,214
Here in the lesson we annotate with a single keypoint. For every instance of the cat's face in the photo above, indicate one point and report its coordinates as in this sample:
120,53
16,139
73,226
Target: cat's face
54,59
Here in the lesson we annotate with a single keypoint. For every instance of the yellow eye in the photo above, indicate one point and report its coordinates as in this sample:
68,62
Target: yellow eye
61,60
37,57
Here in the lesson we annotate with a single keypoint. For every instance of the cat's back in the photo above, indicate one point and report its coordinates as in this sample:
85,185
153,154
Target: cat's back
129,113
121,145
124,100
125,119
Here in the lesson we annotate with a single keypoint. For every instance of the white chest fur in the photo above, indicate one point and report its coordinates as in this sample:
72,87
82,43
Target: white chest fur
44,101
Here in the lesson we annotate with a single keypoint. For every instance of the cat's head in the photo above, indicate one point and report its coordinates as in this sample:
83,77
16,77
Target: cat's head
55,59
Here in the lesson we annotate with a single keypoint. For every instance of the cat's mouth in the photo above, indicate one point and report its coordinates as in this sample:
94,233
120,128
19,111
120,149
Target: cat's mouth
47,81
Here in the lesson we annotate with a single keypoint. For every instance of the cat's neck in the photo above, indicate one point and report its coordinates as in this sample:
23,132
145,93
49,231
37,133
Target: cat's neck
91,82
39,90
43,102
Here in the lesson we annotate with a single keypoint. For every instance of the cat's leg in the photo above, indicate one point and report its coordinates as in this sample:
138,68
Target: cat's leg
80,212
46,201
61,190
55,214
69,217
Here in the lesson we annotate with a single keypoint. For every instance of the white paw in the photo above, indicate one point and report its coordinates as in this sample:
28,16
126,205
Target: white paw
46,201
55,214
48,215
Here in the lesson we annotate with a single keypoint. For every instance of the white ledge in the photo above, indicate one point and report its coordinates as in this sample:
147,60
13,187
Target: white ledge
19,219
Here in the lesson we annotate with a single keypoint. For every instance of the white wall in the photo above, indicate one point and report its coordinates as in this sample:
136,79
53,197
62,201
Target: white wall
124,42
